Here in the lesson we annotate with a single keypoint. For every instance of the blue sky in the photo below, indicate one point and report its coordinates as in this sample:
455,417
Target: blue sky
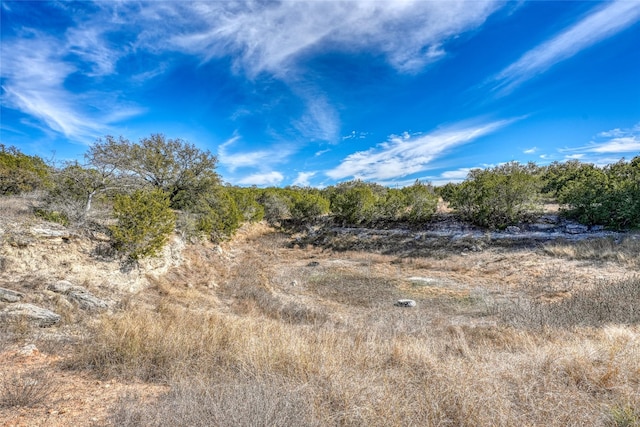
317,92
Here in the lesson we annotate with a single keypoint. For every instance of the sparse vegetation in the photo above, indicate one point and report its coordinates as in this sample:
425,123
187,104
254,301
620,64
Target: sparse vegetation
266,329
369,363
624,250
27,389
606,303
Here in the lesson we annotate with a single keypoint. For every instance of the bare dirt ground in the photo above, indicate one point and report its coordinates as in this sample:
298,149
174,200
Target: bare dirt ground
348,278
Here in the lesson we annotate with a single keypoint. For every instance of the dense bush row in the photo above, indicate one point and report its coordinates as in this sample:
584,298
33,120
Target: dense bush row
151,187
511,193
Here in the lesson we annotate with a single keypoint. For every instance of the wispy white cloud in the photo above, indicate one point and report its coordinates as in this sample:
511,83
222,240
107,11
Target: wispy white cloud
458,174
34,72
276,38
406,154
606,21
530,150
630,144
615,141
355,135
259,159
319,120
259,37
302,179
271,36
260,179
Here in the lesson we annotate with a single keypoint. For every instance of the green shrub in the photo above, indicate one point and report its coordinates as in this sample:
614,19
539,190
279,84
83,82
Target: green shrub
556,176
421,201
499,196
583,196
218,215
355,202
247,202
144,222
395,205
20,173
52,216
307,204
276,205
608,196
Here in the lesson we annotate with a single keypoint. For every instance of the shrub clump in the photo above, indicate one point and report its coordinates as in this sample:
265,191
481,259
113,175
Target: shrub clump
308,204
144,222
609,196
355,202
20,173
498,197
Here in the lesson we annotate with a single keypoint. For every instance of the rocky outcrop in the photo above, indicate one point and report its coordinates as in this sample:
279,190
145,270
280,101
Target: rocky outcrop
8,295
33,314
78,295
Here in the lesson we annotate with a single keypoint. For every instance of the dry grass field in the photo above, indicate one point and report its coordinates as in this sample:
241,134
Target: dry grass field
266,332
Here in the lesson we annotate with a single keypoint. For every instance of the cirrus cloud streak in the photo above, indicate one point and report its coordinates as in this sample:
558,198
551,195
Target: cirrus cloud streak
605,22
406,154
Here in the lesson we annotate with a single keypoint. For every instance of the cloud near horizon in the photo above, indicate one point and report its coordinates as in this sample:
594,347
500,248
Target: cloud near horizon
406,154
260,159
615,141
262,179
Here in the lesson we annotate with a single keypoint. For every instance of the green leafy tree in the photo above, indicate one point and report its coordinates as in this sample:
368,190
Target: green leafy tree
144,222
174,166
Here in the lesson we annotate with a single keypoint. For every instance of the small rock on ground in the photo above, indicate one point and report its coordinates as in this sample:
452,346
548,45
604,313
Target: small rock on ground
78,294
405,303
32,313
8,295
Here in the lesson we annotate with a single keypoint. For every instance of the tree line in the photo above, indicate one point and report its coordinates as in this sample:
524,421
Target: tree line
144,191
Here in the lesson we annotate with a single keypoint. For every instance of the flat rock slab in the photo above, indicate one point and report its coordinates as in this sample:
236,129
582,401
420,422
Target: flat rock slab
405,303
8,295
85,299
32,313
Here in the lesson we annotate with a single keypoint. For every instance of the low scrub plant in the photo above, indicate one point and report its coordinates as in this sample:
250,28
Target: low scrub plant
27,389
201,403
607,196
144,222
497,197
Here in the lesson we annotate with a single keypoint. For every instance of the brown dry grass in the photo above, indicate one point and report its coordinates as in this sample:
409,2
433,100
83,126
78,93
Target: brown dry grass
351,358
260,332
622,250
